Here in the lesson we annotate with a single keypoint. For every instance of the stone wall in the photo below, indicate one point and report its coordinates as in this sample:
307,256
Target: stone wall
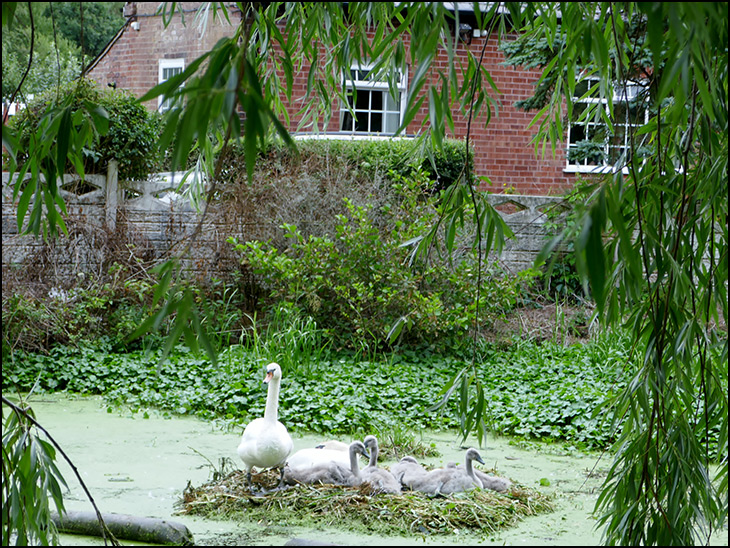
32,259
143,223
139,224
526,216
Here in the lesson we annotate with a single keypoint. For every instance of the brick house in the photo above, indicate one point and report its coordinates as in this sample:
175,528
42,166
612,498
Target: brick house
144,53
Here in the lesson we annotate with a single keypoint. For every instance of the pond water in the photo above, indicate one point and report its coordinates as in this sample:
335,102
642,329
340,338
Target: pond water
140,466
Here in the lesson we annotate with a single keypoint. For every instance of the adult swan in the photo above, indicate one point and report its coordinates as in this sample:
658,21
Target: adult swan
266,443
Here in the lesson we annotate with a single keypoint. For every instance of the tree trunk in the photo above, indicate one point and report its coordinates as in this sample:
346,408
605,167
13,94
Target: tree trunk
124,526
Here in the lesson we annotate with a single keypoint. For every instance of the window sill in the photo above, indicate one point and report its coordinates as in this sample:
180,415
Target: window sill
351,136
592,170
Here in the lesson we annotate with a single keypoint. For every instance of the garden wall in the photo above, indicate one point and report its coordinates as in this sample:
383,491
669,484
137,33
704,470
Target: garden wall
146,222
139,224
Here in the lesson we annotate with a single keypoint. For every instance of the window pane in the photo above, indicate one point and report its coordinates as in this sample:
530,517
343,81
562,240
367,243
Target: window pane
362,101
392,122
376,122
377,100
582,87
361,121
577,133
392,105
169,72
347,121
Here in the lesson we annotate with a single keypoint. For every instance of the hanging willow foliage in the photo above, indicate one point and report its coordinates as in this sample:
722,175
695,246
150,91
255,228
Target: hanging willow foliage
653,249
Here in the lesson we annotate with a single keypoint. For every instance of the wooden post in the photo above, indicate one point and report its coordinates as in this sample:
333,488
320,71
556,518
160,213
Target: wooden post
112,195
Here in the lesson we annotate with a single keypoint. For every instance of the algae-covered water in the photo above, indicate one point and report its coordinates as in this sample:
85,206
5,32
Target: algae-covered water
140,466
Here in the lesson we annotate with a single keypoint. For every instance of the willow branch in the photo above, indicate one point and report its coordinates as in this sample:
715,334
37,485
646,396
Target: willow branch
104,529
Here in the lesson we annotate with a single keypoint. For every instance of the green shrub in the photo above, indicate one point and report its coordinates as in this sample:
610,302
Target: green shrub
357,283
110,310
223,305
133,130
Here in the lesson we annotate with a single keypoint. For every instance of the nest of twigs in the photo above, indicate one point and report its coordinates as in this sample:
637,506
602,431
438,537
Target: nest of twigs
357,508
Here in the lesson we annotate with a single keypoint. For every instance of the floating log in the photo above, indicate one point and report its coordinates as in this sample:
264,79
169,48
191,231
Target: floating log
124,526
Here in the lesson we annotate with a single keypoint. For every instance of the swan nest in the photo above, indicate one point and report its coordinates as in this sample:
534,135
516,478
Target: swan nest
357,508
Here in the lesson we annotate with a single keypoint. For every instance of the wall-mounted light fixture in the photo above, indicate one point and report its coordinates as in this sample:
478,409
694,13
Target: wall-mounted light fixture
465,33
135,25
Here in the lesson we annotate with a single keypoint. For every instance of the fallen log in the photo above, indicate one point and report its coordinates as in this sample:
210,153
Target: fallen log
124,526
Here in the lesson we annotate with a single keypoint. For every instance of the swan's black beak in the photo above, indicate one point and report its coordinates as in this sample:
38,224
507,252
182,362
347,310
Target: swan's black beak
479,459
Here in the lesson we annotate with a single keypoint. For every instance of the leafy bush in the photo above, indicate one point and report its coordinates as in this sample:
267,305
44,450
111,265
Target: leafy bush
357,284
133,130
110,310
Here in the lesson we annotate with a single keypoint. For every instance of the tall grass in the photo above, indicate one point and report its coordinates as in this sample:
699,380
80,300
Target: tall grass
289,338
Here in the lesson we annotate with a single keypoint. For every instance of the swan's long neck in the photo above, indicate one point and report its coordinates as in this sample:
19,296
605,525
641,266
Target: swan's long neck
470,472
354,463
470,468
374,455
272,401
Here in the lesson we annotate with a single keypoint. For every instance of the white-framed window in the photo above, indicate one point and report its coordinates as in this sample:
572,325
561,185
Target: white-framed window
167,69
370,108
591,144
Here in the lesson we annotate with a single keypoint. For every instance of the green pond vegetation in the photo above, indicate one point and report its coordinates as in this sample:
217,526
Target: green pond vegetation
546,391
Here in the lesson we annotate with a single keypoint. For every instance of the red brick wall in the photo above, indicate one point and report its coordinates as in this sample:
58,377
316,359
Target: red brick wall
503,150
133,61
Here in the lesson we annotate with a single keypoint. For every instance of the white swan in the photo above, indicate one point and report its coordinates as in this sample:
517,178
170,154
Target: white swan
332,472
379,479
334,445
329,451
266,443
450,480
407,470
